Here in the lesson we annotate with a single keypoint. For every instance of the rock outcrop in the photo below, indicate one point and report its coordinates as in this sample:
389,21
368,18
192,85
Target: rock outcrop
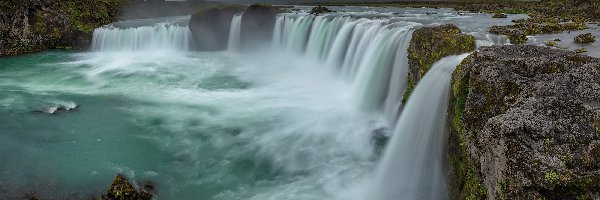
524,123
210,26
430,44
34,25
257,25
317,10
121,189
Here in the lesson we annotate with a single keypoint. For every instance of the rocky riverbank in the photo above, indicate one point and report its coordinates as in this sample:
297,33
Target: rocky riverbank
35,25
524,123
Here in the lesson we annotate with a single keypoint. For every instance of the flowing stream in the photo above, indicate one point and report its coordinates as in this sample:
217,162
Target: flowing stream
303,120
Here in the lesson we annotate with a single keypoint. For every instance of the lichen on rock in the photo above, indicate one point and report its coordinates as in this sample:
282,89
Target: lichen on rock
430,44
523,121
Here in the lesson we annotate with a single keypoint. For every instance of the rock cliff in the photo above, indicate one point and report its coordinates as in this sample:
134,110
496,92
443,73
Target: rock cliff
210,26
524,123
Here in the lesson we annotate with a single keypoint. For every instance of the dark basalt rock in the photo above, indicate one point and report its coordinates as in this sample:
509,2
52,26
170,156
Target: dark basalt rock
210,26
121,189
317,10
524,123
430,44
257,25
34,25
585,38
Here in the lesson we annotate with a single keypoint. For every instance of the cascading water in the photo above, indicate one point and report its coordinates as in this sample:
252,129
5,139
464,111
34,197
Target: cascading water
370,53
235,33
160,36
411,167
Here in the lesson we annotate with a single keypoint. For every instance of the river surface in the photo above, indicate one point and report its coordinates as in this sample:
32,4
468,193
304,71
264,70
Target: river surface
261,125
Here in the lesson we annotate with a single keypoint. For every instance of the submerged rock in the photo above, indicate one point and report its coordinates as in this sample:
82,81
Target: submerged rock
430,44
585,38
210,26
524,123
121,189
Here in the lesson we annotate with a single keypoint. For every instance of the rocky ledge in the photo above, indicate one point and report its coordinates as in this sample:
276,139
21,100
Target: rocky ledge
430,44
34,25
524,123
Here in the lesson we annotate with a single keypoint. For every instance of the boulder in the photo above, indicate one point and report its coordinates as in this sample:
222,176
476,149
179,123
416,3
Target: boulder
210,26
258,22
122,189
524,123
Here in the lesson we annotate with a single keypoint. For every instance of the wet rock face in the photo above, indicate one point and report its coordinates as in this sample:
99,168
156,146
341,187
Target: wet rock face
430,44
34,25
258,22
210,26
525,124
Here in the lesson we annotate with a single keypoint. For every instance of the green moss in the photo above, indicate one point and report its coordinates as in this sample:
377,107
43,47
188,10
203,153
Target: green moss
551,177
430,44
502,187
551,43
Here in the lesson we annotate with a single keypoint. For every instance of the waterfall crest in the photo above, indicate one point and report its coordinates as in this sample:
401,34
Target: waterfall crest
235,33
371,53
411,167
160,36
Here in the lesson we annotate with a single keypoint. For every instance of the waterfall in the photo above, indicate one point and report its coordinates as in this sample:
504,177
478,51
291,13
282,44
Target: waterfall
235,33
411,167
371,53
160,36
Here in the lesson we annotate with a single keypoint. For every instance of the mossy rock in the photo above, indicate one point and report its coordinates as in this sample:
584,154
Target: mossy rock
499,15
552,43
56,24
580,50
122,189
522,132
585,38
430,44
317,10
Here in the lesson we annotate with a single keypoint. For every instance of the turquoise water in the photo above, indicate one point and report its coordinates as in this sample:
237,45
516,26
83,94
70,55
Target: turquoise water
198,125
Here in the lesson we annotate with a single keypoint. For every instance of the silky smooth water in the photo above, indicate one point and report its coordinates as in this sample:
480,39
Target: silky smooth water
294,122
201,125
